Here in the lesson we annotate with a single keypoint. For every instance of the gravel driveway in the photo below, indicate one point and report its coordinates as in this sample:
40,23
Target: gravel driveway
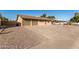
58,36
40,37
19,37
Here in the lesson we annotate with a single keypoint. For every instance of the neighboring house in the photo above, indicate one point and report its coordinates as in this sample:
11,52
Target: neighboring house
25,20
59,22
75,23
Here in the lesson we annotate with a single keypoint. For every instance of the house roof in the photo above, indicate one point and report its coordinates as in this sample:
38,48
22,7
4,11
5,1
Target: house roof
33,17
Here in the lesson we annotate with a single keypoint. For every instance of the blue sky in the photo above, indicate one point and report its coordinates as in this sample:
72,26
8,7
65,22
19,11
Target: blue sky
60,14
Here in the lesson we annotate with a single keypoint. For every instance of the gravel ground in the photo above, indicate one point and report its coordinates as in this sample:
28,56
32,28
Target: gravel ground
19,37
40,37
58,36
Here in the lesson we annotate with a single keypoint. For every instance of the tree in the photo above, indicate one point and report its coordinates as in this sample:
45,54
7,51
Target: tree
44,15
52,17
74,19
3,18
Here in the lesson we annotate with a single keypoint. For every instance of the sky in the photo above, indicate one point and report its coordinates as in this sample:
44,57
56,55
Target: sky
59,14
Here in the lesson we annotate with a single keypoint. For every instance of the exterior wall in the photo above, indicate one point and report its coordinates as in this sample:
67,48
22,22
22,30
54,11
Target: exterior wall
34,22
20,20
44,22
48,22
26,22
29,22
41,22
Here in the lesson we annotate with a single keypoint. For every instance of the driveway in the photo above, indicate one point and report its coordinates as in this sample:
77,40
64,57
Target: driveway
19,37
58,36
41,37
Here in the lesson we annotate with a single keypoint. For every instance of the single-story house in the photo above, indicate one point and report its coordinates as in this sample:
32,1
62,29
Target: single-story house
25,20
59,22
74,23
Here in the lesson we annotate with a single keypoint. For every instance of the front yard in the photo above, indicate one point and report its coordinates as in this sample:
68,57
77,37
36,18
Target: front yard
52,36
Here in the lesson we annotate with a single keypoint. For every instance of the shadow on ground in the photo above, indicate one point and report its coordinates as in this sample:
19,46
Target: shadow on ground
5,32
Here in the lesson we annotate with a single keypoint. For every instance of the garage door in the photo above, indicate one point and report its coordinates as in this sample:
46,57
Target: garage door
27,22
34,22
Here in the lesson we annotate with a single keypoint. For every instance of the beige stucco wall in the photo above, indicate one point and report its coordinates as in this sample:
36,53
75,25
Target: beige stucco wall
48,23
41,22
25,22
44,23
20,20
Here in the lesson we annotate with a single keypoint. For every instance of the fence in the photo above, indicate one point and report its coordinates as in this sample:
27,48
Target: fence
9,23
